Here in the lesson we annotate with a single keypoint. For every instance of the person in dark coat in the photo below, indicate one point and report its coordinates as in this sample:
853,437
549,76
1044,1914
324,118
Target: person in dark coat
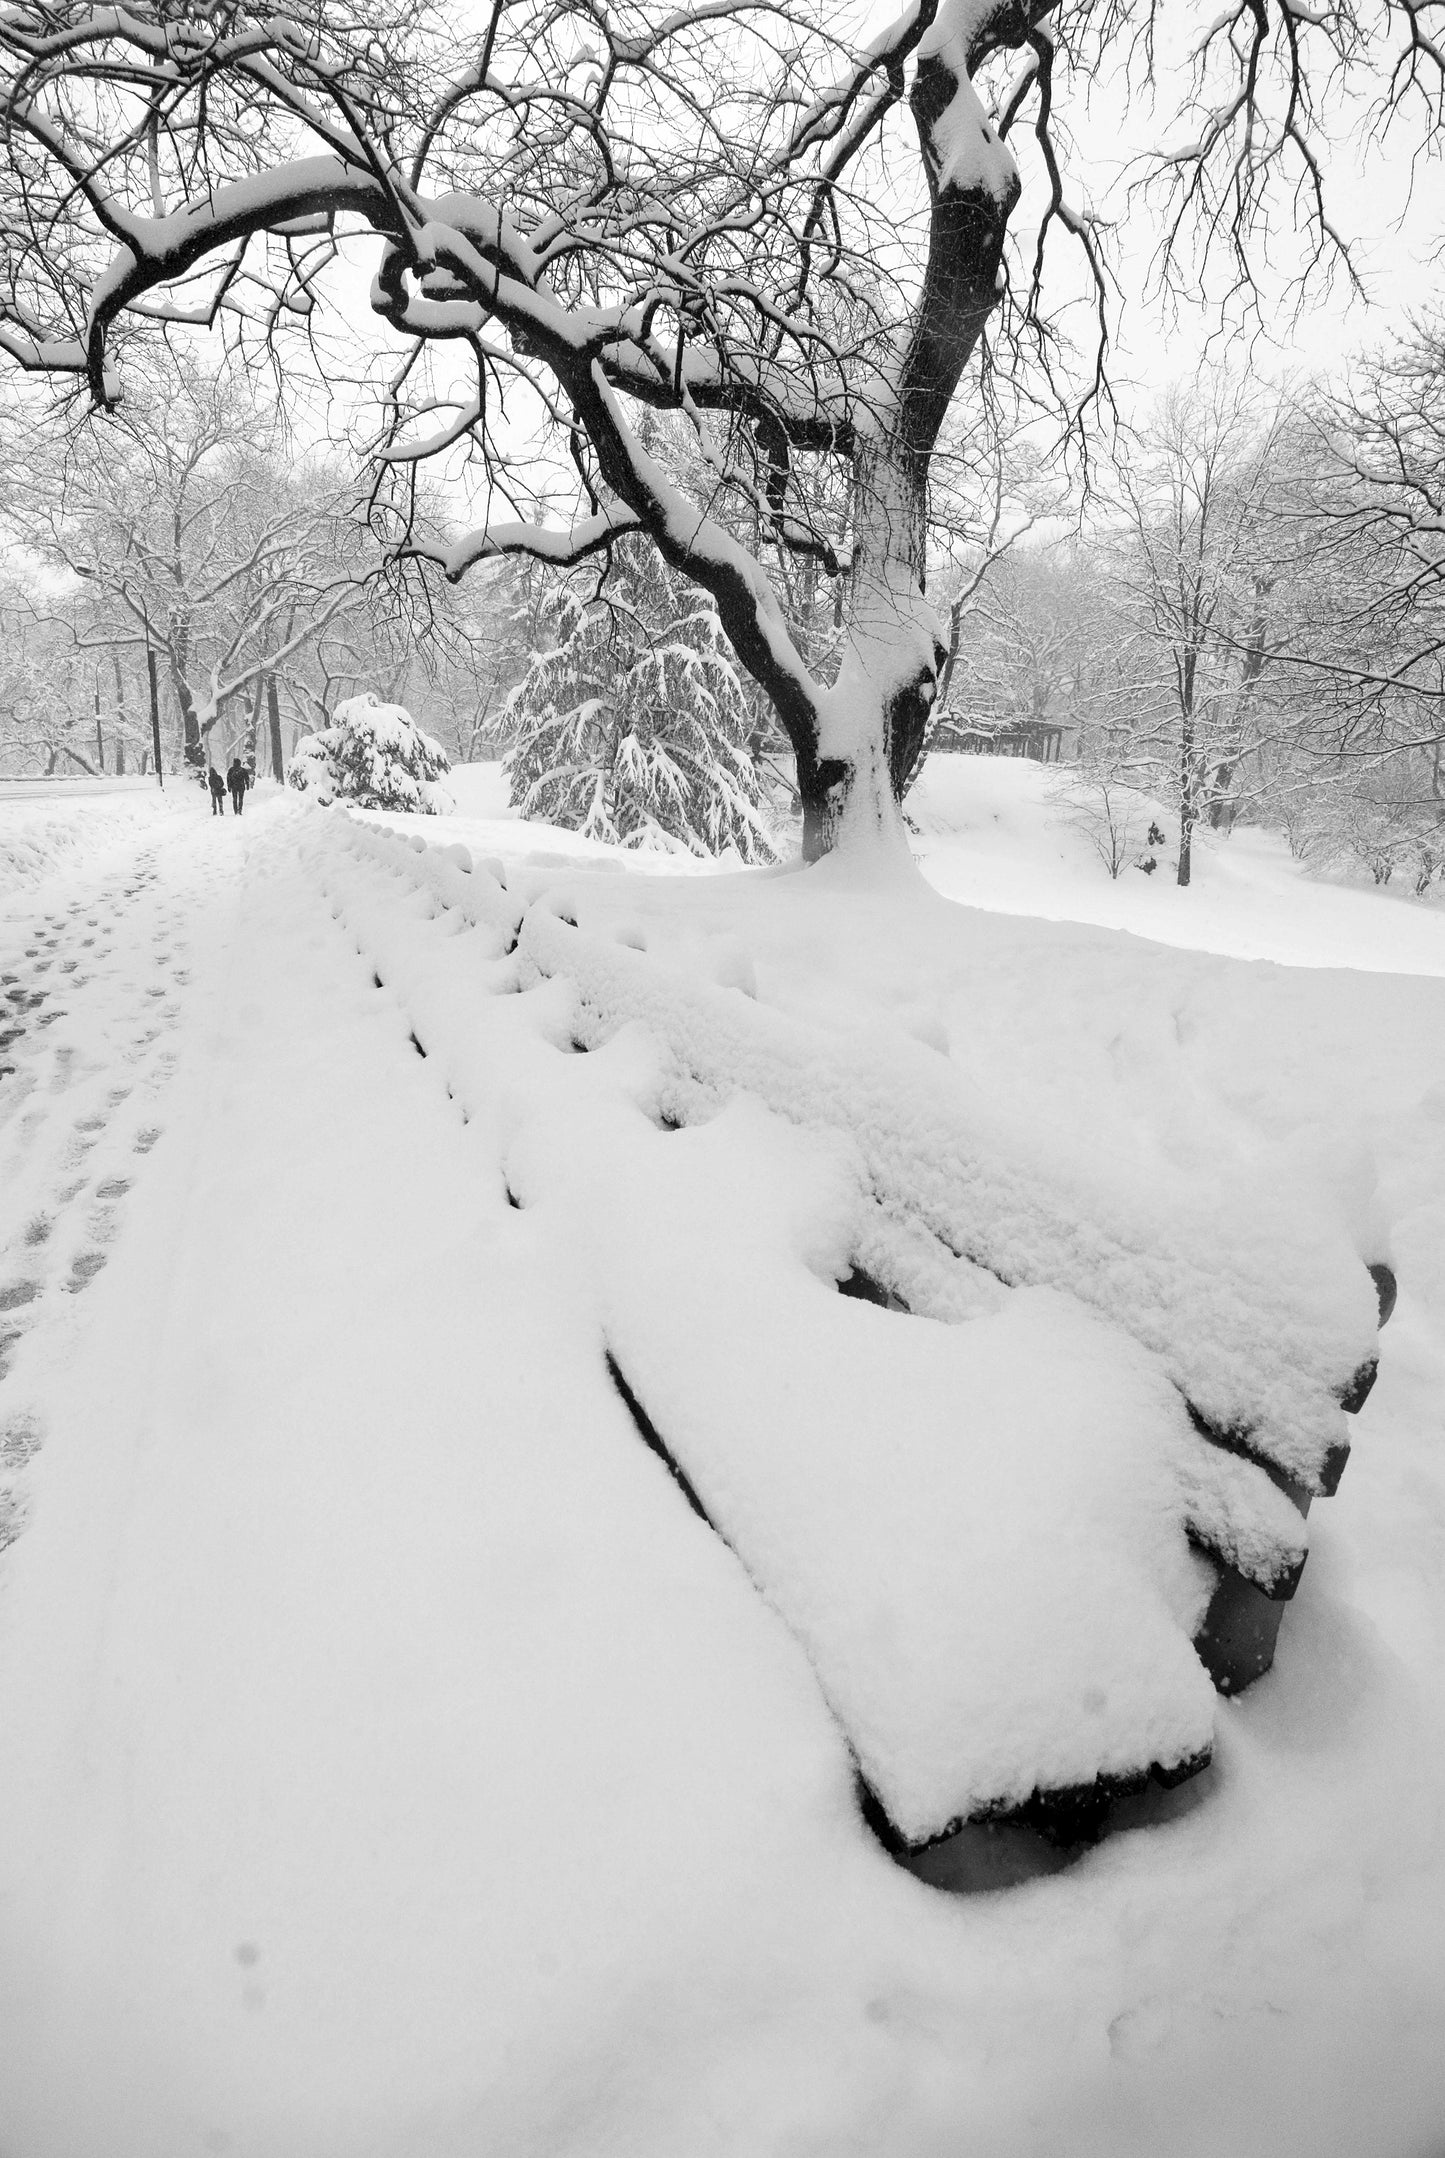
218,792
238,779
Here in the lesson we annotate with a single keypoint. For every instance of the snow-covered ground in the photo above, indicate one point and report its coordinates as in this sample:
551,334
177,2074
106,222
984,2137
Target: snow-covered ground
47,822
391,1759
1025,855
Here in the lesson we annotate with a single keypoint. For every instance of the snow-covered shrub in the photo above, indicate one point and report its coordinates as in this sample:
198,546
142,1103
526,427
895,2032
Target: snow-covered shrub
635,725
375,755
1382,822
311,770
1109,814
1298,813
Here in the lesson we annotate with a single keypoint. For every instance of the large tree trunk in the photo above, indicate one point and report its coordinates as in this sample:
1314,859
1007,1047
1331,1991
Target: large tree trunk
273,715
858,741
1188,776
195,749
1222,805
874,720
120,718
254,724
1188,799
155,703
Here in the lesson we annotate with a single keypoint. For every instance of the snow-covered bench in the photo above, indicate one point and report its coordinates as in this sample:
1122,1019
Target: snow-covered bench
983,1509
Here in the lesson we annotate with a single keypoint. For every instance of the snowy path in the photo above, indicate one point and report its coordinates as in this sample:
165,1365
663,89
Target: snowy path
317,1768
390,1763
85,1056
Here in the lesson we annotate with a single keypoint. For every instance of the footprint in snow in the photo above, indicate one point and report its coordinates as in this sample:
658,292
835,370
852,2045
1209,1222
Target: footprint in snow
84,1270
12,1516
19,1439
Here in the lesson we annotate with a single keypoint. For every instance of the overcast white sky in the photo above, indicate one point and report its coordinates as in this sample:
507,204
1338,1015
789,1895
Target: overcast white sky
1394,218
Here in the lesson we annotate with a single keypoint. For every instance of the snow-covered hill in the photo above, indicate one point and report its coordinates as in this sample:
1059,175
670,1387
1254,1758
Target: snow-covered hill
1004,833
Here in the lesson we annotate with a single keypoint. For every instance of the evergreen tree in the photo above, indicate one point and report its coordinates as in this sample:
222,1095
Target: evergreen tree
634,726
375,755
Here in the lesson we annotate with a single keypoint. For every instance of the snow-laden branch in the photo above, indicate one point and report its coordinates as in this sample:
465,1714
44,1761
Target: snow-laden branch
559,549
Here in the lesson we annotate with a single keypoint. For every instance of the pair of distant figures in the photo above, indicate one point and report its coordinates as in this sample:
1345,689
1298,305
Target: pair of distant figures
236,781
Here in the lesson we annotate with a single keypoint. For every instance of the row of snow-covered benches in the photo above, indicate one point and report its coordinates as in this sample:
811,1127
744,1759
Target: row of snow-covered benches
976,1487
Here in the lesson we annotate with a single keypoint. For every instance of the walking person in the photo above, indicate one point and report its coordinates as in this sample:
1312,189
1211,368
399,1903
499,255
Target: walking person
238,779
218,792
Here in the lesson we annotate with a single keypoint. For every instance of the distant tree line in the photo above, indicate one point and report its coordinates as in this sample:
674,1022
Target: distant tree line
1251,621
183,566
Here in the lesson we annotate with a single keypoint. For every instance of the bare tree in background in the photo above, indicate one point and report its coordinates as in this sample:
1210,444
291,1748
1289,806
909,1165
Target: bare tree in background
183,527
1371,647
1195,569
45,718
1037,641
1355,642
591,210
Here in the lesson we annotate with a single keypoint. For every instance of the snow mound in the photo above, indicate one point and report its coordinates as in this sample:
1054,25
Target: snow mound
38,837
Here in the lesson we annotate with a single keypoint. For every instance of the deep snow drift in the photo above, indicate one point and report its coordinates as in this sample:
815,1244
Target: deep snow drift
394,1762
